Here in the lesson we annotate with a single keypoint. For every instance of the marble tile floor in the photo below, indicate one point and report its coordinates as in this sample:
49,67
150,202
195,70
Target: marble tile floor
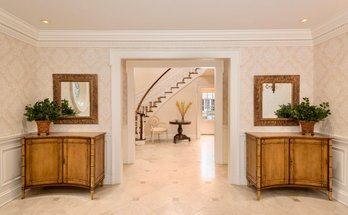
174,179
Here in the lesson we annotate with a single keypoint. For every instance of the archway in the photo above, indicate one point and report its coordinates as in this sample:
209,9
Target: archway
231,61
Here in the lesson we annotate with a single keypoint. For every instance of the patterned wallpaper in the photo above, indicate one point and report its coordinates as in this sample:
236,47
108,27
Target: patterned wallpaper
17,84
77,60
272,61
27,72
330,83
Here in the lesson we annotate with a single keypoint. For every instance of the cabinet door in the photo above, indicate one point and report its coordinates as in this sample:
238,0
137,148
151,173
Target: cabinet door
275,162
309,162
76,167
43,161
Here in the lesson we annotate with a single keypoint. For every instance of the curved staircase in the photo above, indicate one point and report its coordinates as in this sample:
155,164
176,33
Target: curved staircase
166,86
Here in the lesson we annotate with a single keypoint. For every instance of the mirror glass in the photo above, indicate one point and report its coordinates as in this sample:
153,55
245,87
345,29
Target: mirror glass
81,93
77,94
270,91
273,95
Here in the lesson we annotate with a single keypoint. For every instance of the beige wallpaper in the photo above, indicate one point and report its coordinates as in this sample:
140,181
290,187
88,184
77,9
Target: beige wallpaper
77,60
272,61
17,83
331,83
27,72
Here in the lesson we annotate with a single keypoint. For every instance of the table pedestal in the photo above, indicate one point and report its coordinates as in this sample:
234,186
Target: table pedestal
180,135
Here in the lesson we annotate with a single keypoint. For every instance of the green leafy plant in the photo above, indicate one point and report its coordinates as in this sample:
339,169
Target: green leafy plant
42,110
284,111
66,109
304,111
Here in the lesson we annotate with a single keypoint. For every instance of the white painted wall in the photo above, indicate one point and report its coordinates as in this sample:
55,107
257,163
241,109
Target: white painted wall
169,111
144,77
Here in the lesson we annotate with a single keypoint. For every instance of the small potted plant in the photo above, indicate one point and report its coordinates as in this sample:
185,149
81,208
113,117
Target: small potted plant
43,113
46,111
305,113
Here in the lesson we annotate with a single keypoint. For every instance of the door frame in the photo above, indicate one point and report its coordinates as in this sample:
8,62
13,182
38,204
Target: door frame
231,59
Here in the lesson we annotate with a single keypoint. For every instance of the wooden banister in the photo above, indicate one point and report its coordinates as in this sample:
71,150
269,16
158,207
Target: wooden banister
147,92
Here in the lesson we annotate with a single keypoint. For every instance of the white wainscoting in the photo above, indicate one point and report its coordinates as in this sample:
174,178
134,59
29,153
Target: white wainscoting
10,168
339,167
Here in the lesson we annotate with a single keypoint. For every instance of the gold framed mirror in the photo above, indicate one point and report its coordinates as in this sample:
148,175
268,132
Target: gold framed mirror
81,92
270,91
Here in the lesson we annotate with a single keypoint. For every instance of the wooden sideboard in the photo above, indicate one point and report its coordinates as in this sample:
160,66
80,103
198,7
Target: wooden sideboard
63,159
289,160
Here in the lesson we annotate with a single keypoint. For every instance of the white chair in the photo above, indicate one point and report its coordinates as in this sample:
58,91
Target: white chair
157,127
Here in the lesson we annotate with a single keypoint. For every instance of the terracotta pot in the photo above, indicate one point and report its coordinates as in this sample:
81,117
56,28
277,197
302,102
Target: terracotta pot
307,127
43,127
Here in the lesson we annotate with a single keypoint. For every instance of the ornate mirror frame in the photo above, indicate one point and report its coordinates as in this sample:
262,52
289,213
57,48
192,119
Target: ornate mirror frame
93,97
258,86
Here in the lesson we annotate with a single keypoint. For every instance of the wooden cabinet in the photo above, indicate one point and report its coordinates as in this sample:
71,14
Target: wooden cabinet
63,159
289,159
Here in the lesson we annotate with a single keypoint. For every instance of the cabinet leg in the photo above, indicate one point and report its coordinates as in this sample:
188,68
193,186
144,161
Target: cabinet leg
249,183
329,195
102,183
92,194
258,195
23,194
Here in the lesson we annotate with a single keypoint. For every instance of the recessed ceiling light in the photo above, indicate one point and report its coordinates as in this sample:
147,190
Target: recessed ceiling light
304,20
45,21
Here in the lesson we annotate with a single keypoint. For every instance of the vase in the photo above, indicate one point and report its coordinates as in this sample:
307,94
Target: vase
43,127
307,127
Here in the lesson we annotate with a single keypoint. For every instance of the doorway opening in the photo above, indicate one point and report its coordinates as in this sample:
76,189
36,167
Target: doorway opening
168,112
121,125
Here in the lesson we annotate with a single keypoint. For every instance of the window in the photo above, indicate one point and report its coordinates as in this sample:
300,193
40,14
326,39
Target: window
208,105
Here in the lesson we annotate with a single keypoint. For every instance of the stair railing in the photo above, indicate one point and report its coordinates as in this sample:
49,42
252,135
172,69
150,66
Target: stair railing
141,112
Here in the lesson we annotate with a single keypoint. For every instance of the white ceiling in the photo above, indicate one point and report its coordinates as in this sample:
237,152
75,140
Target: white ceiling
174,14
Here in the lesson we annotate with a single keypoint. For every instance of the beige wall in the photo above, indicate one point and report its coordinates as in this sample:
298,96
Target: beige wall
43,62
331,83
17,83
272,61
77,60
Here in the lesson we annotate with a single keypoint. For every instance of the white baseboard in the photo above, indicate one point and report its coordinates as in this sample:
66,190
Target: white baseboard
341,196
10,194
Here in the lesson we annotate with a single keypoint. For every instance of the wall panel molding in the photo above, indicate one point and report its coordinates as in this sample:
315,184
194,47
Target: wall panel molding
10,161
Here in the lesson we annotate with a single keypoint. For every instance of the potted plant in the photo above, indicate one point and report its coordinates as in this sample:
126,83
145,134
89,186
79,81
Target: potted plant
43,112
46,111
305,113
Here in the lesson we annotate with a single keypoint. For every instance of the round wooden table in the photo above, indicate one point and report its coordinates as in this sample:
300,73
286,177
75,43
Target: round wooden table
180,135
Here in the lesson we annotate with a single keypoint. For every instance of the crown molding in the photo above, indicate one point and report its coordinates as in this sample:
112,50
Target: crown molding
194,38
17,28
330,29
